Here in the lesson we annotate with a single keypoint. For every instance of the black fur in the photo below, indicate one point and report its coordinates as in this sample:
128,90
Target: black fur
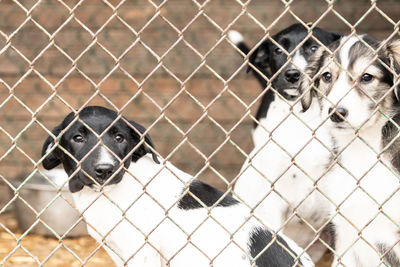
52,160
391,142
205,193
268,62
69,152
279,249
332,234
262,110
389,256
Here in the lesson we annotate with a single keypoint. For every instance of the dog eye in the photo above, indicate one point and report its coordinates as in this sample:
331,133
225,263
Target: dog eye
313,48
78,138
366,78
278,51
327,77
119,138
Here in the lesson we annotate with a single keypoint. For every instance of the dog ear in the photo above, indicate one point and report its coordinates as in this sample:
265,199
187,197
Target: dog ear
308,93
393,54
52,158
334,36
326,37
260,57
309,83
143,149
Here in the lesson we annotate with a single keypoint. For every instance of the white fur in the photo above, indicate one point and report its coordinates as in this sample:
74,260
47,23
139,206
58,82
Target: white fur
235,37
344,95
152,211
299,61
359,209
270,162
104,157
58,176
346,44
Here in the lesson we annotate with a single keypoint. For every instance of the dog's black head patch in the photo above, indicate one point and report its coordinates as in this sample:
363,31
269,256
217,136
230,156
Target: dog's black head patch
270,59
99,142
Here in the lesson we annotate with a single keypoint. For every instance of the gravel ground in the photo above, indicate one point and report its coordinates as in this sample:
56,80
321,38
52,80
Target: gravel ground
41,247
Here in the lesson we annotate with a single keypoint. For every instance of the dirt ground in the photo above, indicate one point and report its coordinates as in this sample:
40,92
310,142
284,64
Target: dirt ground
41,247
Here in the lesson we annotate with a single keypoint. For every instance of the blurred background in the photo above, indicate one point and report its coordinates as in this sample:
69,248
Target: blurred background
166,64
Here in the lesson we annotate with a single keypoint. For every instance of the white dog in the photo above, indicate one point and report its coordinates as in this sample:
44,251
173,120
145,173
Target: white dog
357,89
280,178
152,214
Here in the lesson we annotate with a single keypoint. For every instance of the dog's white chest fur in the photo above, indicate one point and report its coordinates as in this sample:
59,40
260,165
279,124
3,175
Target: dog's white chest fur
360,167
291,158
280,174
114,217
361,186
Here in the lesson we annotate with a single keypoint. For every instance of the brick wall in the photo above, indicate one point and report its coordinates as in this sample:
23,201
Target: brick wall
208,102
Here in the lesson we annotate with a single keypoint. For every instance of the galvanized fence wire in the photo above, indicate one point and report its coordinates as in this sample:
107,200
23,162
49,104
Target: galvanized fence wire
115,8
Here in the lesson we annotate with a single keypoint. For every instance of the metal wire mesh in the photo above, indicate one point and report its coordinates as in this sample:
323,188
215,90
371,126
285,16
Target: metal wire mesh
166,64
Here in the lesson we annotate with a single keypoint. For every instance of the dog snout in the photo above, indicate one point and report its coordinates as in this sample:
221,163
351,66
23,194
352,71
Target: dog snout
339,114
104,171
292,75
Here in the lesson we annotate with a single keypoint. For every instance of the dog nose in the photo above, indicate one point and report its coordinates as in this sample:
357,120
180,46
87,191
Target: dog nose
103,171
292,75
338,115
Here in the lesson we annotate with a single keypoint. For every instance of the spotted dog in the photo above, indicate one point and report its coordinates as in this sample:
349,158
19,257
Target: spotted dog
148,212
271,59
356,90
278,179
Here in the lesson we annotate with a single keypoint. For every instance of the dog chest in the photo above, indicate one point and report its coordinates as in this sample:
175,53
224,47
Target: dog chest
123,216
371,177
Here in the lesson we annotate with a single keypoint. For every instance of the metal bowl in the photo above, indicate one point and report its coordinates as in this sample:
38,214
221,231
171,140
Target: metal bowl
59,215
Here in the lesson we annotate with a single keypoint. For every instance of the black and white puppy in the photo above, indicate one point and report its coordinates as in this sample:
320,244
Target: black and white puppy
271,59
148,213
278,179
358,89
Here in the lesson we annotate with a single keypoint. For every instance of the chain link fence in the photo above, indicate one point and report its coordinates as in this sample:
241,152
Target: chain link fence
165,64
